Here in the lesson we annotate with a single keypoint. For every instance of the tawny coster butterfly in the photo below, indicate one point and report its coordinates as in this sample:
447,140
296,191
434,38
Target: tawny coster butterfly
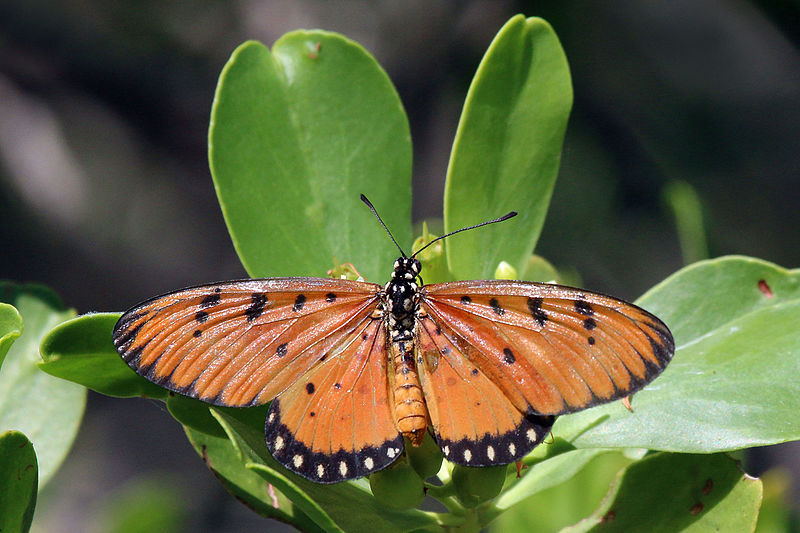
353,367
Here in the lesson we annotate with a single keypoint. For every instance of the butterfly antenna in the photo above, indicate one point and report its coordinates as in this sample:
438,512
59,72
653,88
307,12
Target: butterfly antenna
374,212
508,215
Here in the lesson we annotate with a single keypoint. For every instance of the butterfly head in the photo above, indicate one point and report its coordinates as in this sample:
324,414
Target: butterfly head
406,268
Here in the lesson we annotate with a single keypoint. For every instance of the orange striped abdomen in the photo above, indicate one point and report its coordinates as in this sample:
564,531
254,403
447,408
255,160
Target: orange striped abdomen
410,412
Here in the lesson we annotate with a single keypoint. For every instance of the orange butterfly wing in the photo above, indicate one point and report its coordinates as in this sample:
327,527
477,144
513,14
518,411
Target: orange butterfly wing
335,423
474,422
550,349
239,343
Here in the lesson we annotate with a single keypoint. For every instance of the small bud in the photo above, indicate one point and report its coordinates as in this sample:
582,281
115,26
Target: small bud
477,485
505,271
425,459
345,271
398,486
434,264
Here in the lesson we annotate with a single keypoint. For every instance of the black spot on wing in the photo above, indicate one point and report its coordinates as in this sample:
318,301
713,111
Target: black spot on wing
466,300
280,351
201,316
330,297
210,301
299,302
197,334
589,324
258,301
584,308
535,308
310,388
508,356
495,305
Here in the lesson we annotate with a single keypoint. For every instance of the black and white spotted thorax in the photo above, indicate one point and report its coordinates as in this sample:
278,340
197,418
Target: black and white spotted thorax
401,299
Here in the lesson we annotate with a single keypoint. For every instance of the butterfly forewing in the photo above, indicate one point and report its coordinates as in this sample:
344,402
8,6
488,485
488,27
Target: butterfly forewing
551,349
239,343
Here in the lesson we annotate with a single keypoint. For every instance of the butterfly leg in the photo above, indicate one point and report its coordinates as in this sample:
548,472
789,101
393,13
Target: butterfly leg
410,412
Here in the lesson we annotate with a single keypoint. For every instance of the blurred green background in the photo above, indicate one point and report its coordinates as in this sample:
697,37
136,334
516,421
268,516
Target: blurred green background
105,193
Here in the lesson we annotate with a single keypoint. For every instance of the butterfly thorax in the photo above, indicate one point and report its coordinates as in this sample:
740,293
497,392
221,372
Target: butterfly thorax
401,301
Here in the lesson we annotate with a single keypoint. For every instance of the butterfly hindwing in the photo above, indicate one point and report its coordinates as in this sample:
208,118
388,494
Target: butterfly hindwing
239,343
473,420
335,423
551,349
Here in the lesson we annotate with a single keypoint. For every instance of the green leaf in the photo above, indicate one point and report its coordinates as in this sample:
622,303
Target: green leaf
10,328
735,379
251,489
687,209
46,409
507,148
678,492
18,479
545,474
296,135
330,506
197,415
80,350
564,500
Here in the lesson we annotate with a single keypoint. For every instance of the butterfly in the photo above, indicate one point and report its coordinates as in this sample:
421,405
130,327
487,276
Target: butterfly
352,368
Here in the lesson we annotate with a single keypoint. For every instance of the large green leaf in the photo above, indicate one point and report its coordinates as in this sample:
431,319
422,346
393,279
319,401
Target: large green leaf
296,135
735,378
669,492
46,409
80,350
18,481
10,328
248,487
507,148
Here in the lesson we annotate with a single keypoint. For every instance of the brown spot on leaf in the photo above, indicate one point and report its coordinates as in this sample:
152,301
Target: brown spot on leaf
708,487
608,517
696,508
765,288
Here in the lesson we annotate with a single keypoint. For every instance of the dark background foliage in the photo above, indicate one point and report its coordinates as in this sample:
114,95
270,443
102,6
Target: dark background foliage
105,193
